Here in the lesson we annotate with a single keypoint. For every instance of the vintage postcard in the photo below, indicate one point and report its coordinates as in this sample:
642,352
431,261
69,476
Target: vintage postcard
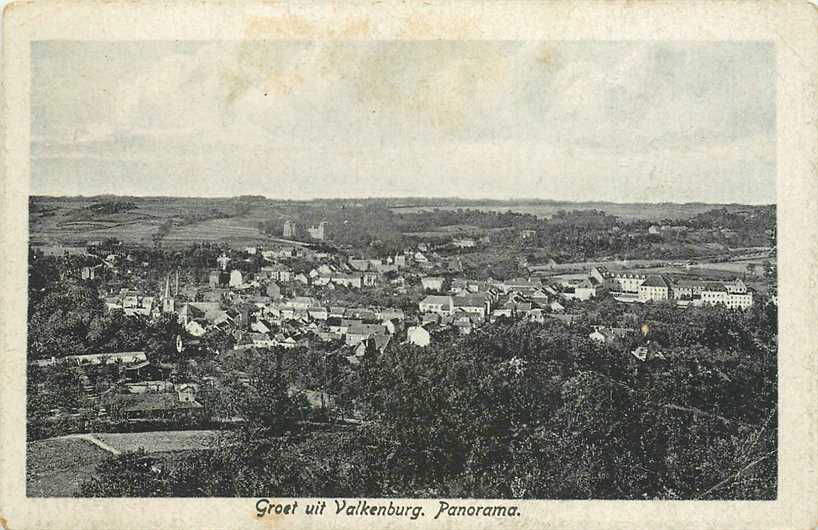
409,265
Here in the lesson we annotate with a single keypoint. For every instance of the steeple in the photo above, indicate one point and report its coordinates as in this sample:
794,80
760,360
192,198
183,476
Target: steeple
168,304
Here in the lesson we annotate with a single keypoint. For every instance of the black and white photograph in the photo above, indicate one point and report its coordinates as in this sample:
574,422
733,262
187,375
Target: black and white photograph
427,280
427,269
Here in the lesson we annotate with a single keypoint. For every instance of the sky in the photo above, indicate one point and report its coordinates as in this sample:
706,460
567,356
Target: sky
583,121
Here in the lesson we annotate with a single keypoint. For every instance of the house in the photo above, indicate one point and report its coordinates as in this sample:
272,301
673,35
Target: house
340,326
628,282
556,307
475,304
276,272
195,328
261,340
359,265
390,314
301,278
464,243
235,278
359,332
354,281
370,279
318,313
126,357
419,336
442,305
506,311
721,295
291,229
464,327
143,387
513,309
147,371
323,281
187,392
430,318
259,326
214,279
285,342
318,231
687,289
736,287
520,285
609,335
273,291
149,405
419,257
209,311
625,282
536,315
586,289
432,283
223,260
337,311
655,288
302,303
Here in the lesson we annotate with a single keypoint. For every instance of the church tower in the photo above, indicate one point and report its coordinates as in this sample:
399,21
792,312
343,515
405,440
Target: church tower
167,299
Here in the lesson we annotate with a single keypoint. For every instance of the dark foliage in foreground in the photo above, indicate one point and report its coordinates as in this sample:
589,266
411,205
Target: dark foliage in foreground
517,411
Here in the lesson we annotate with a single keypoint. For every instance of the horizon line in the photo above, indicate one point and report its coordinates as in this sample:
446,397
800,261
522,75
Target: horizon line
523,200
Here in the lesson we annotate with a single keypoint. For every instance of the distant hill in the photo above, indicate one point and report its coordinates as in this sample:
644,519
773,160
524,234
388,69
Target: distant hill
236,220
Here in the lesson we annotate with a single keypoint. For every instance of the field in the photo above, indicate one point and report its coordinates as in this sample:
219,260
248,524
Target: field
235,221
651,212
57,466
54,221
159,441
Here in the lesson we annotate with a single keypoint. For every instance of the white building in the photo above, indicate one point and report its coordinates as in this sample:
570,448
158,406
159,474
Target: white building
731,300
654,289
442,305
418,336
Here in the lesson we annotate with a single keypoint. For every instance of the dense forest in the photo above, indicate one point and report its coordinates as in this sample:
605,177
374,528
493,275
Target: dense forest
569,235
515,410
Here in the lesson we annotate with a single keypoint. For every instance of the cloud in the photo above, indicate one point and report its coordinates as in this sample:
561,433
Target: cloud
306,118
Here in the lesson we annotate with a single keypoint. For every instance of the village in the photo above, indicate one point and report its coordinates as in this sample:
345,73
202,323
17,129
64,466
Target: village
295,294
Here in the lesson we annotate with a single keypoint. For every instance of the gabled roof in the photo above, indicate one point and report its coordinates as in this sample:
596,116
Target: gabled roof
655,281
149,401
469,300
437,299
365,329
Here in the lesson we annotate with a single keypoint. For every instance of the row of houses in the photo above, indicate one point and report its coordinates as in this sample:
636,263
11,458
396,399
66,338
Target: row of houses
659,287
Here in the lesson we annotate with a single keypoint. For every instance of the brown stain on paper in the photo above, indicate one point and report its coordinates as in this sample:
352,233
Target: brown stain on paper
293,26
423,26
279,26
546,57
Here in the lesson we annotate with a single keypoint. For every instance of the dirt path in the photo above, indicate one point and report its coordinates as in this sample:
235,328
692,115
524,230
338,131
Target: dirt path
96,441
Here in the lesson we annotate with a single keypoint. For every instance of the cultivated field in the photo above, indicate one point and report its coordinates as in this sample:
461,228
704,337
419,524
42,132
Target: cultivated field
56,467
159,441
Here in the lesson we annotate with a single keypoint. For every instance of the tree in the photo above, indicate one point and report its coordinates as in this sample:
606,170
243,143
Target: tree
134,474
265,401
160,338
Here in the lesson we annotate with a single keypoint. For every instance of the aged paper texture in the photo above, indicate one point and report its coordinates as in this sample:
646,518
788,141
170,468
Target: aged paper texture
409,264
